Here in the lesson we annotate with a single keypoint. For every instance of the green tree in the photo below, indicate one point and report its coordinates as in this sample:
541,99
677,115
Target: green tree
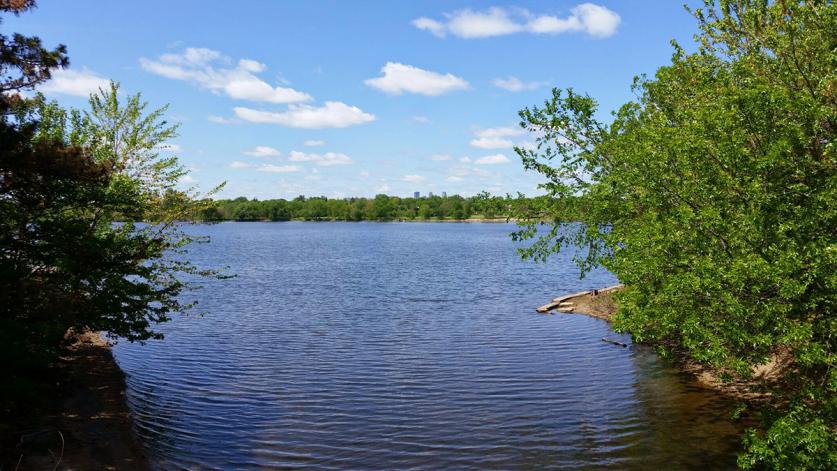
24,62
383,207
712,197
89,238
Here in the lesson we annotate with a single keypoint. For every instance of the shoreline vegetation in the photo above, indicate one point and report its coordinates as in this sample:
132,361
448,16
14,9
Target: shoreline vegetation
603,304
453,221
483,207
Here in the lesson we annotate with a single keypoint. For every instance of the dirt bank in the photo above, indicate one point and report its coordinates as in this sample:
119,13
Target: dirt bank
88,424
602,305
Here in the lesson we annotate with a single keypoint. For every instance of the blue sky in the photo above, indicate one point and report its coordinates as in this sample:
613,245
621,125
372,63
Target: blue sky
341,98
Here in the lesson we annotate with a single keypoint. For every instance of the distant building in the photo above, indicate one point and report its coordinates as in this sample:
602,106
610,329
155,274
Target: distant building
416,194
444,194
430,195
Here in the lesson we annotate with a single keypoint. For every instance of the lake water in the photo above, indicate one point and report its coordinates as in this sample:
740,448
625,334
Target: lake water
405,346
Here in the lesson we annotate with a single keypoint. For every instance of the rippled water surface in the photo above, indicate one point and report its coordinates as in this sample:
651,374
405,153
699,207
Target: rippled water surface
405,345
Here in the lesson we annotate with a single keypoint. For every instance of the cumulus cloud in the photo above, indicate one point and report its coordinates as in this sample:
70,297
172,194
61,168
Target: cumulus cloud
473,24
263,151
413,178
333,114
435,28
211,70
492,160
495,138
440,157
588,18
220,119
74,82
270,168
313,143
400,78
325,160
240,164
462,171
514,84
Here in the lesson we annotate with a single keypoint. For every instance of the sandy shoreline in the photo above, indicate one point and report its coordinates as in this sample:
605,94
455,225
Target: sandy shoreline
89,425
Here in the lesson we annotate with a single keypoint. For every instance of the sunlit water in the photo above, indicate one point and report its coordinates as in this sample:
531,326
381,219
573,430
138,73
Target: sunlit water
405,346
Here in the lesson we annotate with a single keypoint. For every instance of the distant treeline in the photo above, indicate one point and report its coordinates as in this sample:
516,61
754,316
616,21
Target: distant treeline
379,208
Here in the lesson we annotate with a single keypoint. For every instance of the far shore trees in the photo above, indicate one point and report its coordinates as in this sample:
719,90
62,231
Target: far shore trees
380,208
713,198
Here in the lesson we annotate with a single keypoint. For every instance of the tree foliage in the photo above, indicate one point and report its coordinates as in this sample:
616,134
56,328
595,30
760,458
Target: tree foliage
380,208
89,238
712,197
24,62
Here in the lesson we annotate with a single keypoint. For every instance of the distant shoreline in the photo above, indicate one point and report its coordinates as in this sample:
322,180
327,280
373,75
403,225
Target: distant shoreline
468,220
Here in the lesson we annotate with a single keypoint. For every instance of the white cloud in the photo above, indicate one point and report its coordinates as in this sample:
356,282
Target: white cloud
473,24
251,66
440,157
595,20
503,131
240,164
464,160
279,168
269,168
413,178
74,82
492,143
492,160
313,143
325,160
421,119
399,78
220,119
204,67
467,171
333,114
495,138
589,18
454,178
514,84
263,151
436,28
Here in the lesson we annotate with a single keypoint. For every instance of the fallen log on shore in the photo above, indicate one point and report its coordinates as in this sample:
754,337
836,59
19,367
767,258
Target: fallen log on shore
614,342
560,300
563,304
